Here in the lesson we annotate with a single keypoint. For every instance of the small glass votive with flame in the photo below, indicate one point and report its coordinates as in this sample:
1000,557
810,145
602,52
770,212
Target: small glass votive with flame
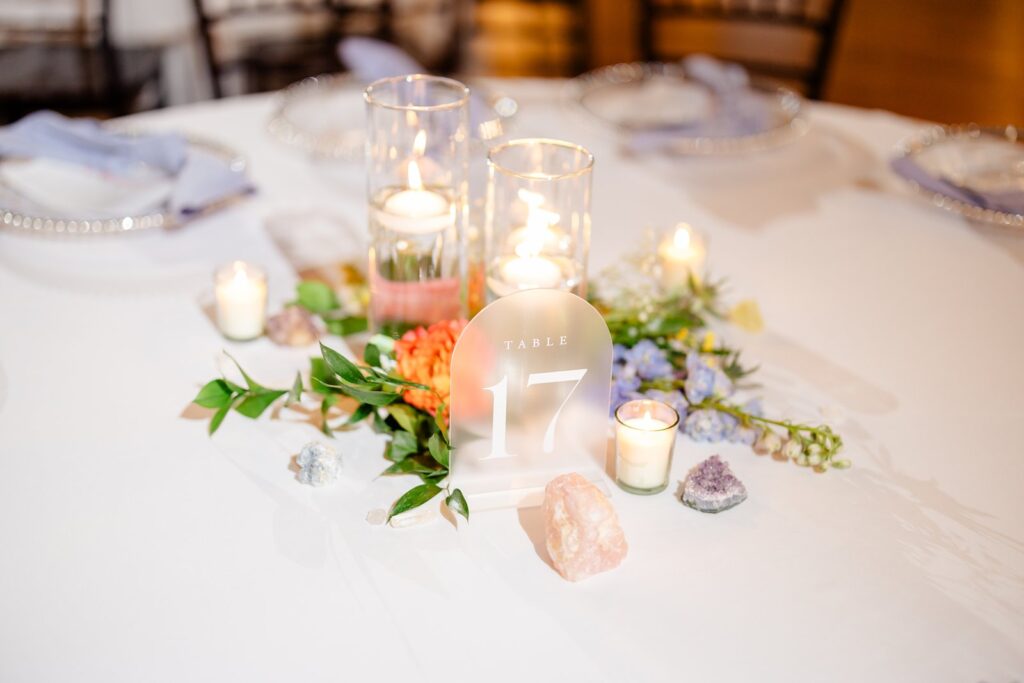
241,293
681,255
645,436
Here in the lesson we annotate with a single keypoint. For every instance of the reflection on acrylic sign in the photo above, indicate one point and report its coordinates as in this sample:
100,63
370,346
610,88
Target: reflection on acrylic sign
529,397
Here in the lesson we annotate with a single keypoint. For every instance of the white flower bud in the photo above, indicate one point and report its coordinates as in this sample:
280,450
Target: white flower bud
792,449
769,442
814,460
802,460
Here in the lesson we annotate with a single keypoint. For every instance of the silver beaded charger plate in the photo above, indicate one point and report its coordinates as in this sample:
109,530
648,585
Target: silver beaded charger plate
981,159
324,116
51,197
640,97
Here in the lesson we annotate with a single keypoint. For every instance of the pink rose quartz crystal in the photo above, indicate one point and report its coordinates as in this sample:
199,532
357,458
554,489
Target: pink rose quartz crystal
581,528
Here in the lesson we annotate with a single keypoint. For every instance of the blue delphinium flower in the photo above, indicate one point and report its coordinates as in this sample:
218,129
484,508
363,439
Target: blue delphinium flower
746,435
673,398
619,353
623,390
703,379
700,378
705,425
649,360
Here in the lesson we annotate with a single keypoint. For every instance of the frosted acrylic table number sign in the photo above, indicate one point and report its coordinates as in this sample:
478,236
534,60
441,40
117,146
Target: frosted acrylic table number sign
530,379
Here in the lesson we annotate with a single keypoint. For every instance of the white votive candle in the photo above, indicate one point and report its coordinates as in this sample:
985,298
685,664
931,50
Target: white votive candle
681,255
241,292
531,272
645,434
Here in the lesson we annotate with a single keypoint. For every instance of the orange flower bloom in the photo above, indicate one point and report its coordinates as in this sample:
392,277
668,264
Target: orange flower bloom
424,356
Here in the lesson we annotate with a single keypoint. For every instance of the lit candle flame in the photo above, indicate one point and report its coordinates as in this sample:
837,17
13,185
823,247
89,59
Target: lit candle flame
647,415
415,179
419,146
538,224
681,240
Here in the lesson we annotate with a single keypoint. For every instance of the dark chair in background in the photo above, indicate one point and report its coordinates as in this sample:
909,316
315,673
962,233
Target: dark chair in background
72,66
268,44
790,40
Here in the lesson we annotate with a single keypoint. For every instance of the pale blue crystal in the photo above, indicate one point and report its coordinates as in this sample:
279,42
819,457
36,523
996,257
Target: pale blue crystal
318,464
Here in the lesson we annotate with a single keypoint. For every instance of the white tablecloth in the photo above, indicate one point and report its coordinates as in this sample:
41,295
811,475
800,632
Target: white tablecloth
134,547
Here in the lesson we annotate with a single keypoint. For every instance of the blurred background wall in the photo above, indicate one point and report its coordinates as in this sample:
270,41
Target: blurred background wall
945,60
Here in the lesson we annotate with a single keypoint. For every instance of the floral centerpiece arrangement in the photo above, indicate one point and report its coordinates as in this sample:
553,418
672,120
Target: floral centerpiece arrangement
664,350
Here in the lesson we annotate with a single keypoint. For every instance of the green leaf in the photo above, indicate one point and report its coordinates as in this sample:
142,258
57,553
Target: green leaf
403,444
219,416
413,498
438,450
384,378
407,417
360,414
381,426
295,395
439,422
457,503
384,343
409,466
343,327
371,396
215,394
254,404
341,366
250,382
371,354
316,297
325,406
234,387
320,376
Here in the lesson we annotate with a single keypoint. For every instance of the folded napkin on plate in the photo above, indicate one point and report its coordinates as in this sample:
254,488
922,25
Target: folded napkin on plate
200,177
1007,201
739,111
371,59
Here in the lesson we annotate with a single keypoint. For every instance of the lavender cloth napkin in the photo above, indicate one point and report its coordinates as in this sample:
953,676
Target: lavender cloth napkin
1008,202
201,178
739,111
371,59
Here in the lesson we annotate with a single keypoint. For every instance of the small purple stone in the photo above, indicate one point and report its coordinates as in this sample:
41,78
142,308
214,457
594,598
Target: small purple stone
711,487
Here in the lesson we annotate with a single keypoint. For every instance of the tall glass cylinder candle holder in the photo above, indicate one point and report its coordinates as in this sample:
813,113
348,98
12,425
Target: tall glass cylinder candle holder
537,217
645,435
417,180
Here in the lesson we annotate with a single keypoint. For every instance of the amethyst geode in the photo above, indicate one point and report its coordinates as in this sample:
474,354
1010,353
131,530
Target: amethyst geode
711,487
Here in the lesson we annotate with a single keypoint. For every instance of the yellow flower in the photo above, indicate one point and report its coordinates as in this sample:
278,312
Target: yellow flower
708,345
746,315
682,334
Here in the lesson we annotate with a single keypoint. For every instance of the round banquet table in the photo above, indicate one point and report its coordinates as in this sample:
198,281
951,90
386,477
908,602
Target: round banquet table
135,547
